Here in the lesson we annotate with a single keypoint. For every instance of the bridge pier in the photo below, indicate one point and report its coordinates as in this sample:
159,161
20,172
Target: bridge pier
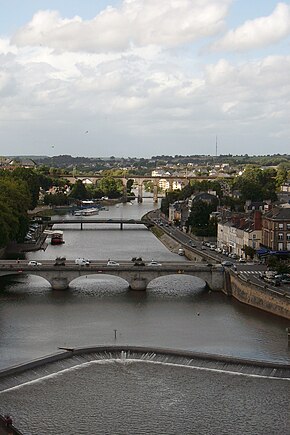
155,193
139,284
59,283
140,192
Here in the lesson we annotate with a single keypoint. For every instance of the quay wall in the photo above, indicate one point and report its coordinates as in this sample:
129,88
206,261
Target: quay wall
259,296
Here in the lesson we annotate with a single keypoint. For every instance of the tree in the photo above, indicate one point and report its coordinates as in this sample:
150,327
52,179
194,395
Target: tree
199,219
249,251
15,199
79,191
32,180
111,187
256,184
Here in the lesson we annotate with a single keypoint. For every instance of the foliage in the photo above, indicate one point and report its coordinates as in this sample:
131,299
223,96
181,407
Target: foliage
15,200
278,264
249,251
199,219
33,183
110,187
79,191
57,199
256,184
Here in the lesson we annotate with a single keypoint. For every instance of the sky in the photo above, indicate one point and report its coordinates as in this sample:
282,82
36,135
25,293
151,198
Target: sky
140,78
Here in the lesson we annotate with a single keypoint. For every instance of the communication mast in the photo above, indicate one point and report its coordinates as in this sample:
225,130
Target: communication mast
216,147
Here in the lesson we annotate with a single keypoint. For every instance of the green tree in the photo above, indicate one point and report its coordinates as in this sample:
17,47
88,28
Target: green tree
199,219
111,187
256,184
79,191
32,180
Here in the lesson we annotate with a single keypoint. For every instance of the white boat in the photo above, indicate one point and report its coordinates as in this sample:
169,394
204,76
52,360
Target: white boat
86,212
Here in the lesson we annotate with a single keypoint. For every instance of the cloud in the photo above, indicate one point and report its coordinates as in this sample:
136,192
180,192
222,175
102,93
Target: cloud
257,33
168,23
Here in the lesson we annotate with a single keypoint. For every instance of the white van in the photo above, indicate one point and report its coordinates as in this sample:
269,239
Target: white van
181,251
82,261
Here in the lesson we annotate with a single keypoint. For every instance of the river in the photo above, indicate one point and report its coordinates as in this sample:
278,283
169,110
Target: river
136,397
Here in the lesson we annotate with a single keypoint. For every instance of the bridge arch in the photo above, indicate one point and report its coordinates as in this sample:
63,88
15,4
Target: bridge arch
169,282
95,277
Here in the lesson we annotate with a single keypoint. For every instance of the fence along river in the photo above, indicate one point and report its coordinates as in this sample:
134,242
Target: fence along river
123,394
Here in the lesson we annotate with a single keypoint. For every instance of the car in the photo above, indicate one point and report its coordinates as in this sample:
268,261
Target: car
82,261
154,263
34,263
112,263
227,263
242,260
60,261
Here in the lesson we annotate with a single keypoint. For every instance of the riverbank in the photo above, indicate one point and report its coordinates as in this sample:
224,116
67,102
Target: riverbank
11,430
262,297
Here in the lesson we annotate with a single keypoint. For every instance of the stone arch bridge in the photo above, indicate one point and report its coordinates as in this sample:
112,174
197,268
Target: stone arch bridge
140,179
137,277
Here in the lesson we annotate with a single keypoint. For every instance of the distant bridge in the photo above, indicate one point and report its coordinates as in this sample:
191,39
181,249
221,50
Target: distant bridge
86,220
140,179
137,277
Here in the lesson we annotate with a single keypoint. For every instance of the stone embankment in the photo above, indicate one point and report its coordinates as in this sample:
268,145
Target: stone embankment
259,296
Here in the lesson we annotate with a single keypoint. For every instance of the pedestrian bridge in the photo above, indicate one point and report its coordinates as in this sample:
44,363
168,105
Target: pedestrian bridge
85,220
137,277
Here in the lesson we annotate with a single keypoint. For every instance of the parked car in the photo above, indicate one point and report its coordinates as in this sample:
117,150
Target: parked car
138,261
227,263
82,261
112,263
154,263
60,261
34,263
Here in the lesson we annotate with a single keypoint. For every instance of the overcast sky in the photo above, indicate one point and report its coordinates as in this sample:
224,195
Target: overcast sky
144,77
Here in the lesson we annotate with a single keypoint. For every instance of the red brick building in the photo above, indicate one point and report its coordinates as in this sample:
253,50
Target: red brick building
276,229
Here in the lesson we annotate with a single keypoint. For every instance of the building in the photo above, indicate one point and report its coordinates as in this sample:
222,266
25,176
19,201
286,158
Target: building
276,229
238,231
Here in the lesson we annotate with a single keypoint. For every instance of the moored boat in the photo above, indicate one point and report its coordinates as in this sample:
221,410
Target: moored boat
87,211
57,237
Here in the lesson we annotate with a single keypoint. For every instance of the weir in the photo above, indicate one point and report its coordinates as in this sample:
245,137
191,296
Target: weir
52,364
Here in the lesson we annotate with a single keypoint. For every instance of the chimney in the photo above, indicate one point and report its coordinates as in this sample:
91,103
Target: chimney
257,220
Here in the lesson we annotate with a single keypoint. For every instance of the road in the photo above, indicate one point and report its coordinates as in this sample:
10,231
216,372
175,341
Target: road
250,270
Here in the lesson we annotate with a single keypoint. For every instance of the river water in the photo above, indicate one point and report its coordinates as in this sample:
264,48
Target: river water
136,397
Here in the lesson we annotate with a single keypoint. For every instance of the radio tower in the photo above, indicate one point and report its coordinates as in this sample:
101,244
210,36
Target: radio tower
216,151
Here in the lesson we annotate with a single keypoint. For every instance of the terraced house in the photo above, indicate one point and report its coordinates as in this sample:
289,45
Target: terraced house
276,229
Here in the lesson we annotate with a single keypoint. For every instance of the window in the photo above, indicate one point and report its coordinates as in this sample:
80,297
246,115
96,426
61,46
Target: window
281,226
288,226
280,236
280,246
288,236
